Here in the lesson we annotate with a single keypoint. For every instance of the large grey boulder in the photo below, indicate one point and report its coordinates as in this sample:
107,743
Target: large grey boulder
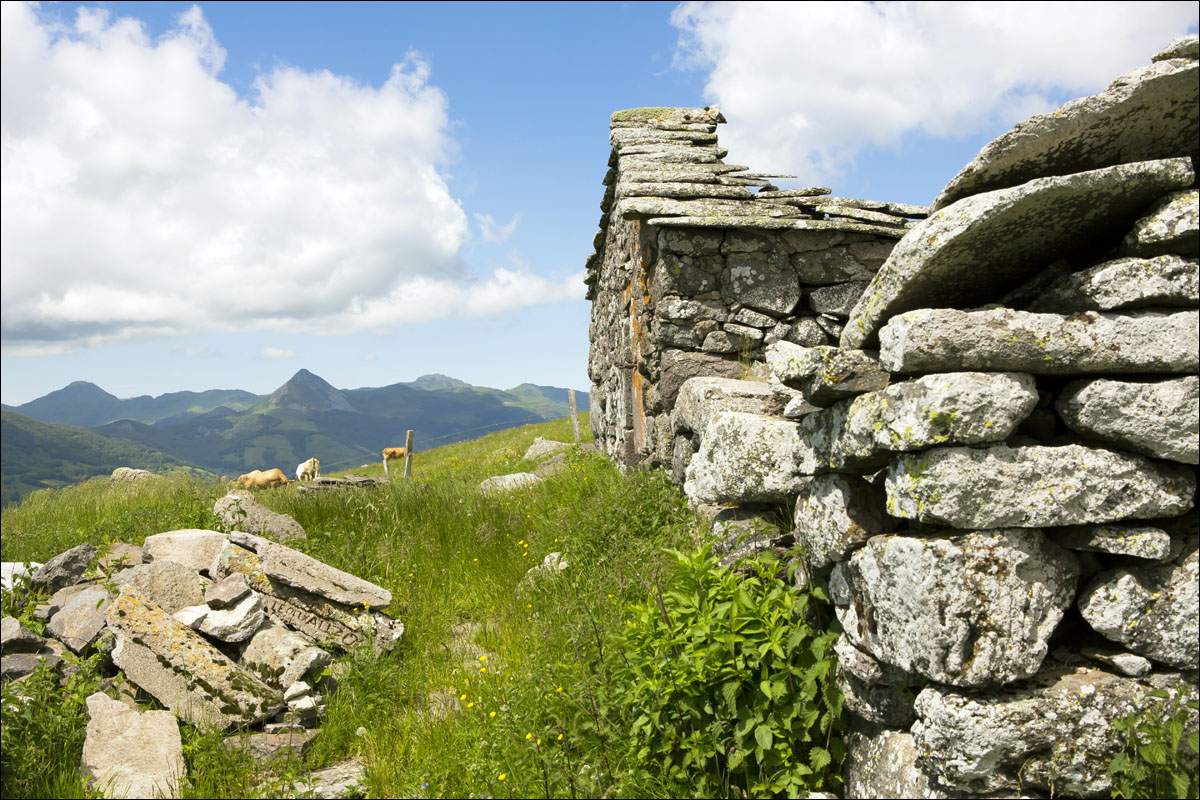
835,514
80,622
745,458
884,763
1159,418
948,408
1051,733
1172,226
168,584
941,608
183,671
64,569
1161,282
238,510
979,248
1033,486
1091,343
825,375
1151,609
132,753
701,398
307,573
194,548
1147,113
508,483
129,474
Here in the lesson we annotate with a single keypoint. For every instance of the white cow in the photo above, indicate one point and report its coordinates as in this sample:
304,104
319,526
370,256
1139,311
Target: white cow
308,470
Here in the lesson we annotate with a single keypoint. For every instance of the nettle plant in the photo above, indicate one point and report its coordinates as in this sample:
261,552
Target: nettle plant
730,681
1151,762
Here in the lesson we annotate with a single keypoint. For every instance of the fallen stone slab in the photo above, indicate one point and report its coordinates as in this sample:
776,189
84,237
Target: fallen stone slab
1141,541
14,666
702,397
64,569
837,299
307,573
825,375
194,548
508,483
120,556
544,448
746,458
268,747
836,514
860,435
343,779
168,584
236,623
1128,664
979,248
1147,113
183,671
1053,732
226,592
79,624
131,753
1090,343
1159,418
938,607
1172,226
884,764
238,510
1033,486
281,657
1167,281
16,638
1151,609
59,600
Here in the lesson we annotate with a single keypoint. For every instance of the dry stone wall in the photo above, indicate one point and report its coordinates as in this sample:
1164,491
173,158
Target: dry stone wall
993,461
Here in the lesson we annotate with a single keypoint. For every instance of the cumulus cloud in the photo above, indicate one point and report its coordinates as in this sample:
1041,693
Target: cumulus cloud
491,231
275,354
143,197
806,86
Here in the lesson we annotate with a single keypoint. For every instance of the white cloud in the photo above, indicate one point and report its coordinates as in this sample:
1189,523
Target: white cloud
142,197
806,86
491,231
276,354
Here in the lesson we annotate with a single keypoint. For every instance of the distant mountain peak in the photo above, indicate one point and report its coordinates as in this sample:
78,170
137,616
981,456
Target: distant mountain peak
305,391
434,382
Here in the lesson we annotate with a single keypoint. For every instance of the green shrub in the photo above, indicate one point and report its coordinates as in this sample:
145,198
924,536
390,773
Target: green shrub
1151,763
731,685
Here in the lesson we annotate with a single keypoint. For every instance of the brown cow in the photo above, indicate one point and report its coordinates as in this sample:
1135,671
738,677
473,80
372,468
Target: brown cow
259,479
392,454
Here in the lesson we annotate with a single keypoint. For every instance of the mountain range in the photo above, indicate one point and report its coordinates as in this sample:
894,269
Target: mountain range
81,430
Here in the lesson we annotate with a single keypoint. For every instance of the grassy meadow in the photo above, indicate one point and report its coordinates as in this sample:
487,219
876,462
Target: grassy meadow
502,686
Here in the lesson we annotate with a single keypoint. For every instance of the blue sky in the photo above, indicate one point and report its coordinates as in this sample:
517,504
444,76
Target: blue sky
217,195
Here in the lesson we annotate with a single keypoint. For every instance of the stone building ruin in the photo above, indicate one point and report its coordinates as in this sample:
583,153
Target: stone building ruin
980,420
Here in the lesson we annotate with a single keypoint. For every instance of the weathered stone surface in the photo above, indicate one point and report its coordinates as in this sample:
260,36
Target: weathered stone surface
806,333
1183,47
340,780
227,591
1142,541
1151,609
1172,226
1090,343
121,474
680,365
1147,113
120,556
701,398
944,608
947,408
884,764
236,623
544,448
733,527
1160,419
273,653
835,514
131,753
14,666
745,458
886,706
761,284
977,249
80,622
1162,282
183,671
825,375
1124,663
168,584
798,407
837,299
267,747
239,510
1003,486
16,638
194,548
59,600
507,483
307,573
1053,731
64,569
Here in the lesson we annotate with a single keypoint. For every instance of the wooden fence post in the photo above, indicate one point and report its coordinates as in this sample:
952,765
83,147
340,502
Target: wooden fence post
574,419
408,455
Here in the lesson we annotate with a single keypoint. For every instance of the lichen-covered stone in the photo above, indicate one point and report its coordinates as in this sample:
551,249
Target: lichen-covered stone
885,764
1094,342
825,375
1053,732
745,458
974,609
876,693
835,514
193,548
1172,226
762,283
1142,541
281,657
1151,609
837,299
1168,281
183,671
1159,418
1147,113
305,572
1002,486
701,398
947,408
